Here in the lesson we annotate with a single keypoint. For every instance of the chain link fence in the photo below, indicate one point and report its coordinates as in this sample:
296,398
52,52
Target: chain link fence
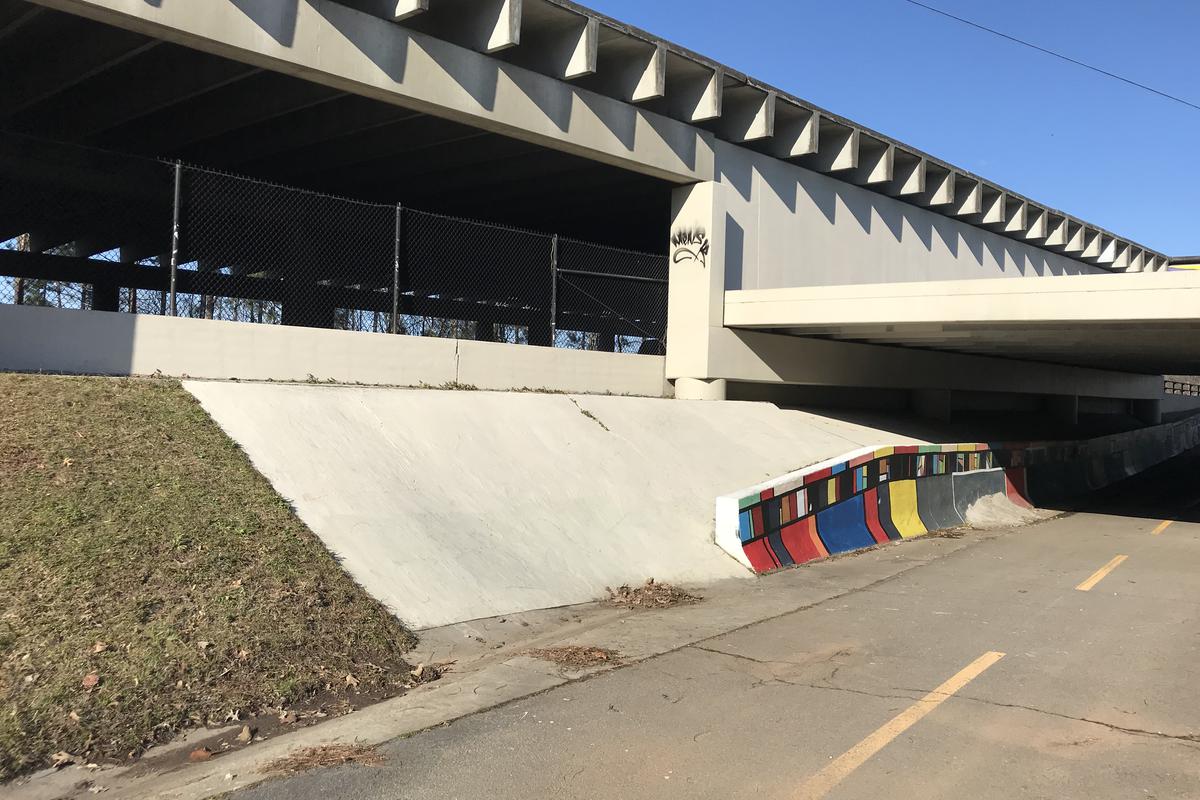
104,231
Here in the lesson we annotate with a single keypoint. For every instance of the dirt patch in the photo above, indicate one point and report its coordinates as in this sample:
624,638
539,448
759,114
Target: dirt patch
326,755
154,582
651,594
576,656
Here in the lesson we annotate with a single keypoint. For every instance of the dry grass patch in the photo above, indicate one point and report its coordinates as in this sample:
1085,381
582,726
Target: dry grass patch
650,595
575,656
326,755
153,581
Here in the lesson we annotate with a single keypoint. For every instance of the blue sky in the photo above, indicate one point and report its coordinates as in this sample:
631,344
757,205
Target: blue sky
1109,153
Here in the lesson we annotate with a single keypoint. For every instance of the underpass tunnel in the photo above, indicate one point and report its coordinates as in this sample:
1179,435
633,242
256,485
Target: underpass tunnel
81,95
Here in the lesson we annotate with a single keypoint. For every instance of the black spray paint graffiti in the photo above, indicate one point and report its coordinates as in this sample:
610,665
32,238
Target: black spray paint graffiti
689,244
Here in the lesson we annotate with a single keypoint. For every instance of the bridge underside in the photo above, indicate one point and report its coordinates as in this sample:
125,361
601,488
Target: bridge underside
1144,323
75,80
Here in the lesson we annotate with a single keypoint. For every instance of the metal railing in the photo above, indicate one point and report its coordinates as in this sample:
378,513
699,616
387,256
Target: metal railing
105,231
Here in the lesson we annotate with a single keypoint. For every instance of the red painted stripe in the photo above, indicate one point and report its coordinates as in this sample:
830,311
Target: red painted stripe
756,521
907,448
1014,486
761,558
871,512
766,494
800,539
818,476
858,462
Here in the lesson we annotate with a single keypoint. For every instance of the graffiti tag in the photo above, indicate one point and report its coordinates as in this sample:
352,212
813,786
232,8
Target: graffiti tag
689,244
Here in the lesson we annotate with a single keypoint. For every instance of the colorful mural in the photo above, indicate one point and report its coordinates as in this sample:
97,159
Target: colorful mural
875,496
882,494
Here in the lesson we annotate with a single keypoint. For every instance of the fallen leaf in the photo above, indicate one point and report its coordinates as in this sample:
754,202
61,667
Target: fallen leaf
287,717
200,754
416,673
68,462
74,715
243,654
246,735
351,681
99,647
203,645
61,759
90,681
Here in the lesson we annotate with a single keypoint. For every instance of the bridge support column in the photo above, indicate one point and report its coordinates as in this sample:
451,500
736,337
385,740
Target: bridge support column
1148,411
932,404
1063,408
701,389
696,293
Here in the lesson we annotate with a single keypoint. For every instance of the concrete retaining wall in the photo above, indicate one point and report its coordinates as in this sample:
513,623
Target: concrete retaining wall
101,343
453,505
878,494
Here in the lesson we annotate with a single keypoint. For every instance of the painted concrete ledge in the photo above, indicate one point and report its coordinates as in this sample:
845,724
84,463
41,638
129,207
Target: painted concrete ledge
879,494
103,343
485,677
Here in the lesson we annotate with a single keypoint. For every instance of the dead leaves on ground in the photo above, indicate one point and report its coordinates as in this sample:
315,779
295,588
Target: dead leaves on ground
326,755
651,594
574,656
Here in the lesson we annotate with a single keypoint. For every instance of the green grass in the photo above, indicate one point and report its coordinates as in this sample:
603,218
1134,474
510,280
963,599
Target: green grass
132,532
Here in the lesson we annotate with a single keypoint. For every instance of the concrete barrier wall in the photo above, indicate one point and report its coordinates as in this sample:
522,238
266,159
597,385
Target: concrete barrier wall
880,494
101,343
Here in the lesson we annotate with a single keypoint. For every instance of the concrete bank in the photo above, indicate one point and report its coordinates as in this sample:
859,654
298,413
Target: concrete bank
455,505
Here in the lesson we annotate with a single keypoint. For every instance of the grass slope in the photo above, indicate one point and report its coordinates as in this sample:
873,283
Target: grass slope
139,546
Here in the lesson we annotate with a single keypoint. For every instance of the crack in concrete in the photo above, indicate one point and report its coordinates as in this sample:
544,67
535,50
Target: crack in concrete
1189,739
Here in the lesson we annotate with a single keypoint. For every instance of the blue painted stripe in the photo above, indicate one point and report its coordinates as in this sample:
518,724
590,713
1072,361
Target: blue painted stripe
745,526
843,526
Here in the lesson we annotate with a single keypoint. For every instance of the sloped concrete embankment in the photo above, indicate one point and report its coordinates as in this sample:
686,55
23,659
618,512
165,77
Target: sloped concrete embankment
456,505
879,494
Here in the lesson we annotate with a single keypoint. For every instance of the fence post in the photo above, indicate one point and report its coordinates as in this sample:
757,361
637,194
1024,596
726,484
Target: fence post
396,269
175,236
553,289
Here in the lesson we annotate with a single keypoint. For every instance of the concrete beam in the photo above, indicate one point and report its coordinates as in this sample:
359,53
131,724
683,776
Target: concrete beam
698,96
940,187
748,114
876,162
1076,237
393,10
1016,213
968,196
796,131
993,206
1137,259
1036,223
909,172
1092,243
837,148
1121,259
567,52
1057,231
1108,250
337,46
634,73
493,26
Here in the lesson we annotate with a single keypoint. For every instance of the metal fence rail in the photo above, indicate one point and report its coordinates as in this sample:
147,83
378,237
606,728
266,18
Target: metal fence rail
105,231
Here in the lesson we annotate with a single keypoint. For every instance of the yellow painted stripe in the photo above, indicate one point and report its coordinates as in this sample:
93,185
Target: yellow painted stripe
1162,526
1099,574
819,785
903,497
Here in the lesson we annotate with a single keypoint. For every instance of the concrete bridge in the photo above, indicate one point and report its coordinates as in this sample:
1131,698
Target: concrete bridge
810,257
